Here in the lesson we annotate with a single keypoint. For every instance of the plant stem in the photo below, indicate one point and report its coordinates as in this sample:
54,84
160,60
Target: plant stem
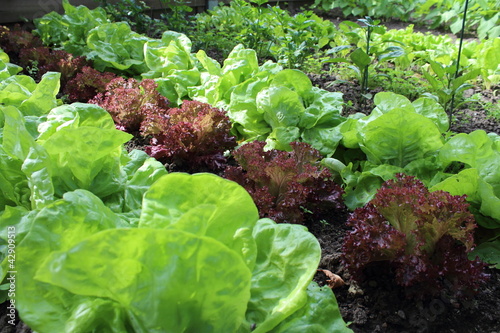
452,102
364,84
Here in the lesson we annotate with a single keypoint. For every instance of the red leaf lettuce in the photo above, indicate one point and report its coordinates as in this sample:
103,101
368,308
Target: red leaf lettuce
424,236
285,185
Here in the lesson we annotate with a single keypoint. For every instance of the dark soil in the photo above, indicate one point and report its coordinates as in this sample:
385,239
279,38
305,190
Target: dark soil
466,118
379,306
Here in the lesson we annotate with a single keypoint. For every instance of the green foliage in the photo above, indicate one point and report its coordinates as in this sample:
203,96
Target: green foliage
176,18
364,53
446,85
134,13
271,31
482,16
390,141
189,223
379,9
39,152
69,31
116,46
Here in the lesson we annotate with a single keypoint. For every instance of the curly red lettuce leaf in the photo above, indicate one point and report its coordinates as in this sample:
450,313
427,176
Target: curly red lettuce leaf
193,137
40,60
286,185
15,39
131,102
87,84
425,236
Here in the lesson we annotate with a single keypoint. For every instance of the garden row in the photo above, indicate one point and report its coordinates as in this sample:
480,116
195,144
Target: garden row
245,272
483,16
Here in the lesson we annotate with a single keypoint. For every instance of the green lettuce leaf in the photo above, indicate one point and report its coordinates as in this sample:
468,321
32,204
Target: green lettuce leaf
189,203
115,46
30,98
96,165
59,226
320,314
399,137
282,272
73,116
145,273
139,172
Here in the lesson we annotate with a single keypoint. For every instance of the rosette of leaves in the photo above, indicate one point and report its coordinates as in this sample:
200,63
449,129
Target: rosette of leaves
131,102
423,236
191,138
40,60
87,84
286,185
15,39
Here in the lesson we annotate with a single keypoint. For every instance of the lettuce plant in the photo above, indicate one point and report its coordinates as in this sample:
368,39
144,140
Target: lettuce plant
40,60
192,137
199,260
424,236
15,39
131,102
70,30
285,185
87,84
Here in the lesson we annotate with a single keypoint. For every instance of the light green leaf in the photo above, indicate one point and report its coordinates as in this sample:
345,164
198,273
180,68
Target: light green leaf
73,116
59,226
321,314
282,273
433,110
281,106
43,98
203,204
139,269
96,165
360,58
399,137
386,101
294,80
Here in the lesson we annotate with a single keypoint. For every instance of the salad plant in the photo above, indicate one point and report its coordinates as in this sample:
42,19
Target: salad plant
424,236
140,278
132,104
271,31
193,137
365,53
286,186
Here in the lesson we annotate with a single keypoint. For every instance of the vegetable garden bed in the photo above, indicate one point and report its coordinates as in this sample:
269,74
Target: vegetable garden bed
148,187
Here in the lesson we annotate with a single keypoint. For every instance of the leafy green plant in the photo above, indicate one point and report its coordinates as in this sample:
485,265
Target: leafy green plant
361,58
134,12
483,16
176,18
70,30
271,31
424,236
387,9
389,141
446,85
188,223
